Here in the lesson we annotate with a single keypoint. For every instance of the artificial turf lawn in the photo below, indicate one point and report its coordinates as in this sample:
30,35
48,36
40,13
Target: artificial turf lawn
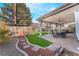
44,33
34,39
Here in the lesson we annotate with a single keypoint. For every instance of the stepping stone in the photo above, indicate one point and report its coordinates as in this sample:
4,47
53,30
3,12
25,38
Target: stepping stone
27,46
59,51
35,48
22,40
24,43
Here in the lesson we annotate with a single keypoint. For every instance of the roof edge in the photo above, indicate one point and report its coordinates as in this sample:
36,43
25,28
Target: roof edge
63,7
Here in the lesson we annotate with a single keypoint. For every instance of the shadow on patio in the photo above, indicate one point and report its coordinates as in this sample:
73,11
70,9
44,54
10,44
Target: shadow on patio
70,42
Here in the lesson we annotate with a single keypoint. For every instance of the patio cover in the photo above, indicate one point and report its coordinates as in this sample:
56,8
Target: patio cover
61,18
61,15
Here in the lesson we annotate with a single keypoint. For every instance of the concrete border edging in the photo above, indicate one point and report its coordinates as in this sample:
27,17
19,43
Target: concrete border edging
20,49
36,45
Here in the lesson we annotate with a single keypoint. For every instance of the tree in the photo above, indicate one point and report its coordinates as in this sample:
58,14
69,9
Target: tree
4,32
7,13
16,14
23,14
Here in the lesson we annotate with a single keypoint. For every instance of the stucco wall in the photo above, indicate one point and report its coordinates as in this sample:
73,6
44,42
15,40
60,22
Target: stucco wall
21,29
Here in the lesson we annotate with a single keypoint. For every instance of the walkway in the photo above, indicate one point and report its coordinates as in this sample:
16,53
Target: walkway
33,50
10,49
70,42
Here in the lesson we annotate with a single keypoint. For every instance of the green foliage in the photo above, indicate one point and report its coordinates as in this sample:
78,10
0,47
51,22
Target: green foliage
34,39
4,32
23,15
7,13
44,33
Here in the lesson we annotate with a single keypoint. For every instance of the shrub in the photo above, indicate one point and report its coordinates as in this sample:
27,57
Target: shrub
4,32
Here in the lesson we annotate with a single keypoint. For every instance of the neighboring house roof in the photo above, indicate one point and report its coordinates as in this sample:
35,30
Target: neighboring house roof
34,25
56,11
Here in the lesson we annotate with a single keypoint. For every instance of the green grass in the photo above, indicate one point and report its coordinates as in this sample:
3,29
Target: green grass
44,33
34,39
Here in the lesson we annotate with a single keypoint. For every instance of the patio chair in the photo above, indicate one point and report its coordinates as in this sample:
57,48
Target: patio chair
59,51
54,33
56,49
62,33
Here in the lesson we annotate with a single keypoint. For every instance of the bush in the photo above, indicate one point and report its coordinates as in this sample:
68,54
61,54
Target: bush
4,32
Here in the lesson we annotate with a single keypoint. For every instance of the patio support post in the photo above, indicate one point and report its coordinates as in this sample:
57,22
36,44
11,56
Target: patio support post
60,27
63,25
49,28
40,28
56,26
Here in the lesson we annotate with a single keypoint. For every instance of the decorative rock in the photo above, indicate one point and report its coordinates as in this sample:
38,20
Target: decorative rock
35,48
27,46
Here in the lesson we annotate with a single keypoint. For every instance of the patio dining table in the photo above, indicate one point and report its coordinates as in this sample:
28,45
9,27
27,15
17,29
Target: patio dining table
61,33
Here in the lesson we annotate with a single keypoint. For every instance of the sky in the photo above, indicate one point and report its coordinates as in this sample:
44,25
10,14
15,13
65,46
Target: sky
39,9
1,4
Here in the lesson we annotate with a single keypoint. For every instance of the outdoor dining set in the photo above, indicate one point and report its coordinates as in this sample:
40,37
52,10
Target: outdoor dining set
62,33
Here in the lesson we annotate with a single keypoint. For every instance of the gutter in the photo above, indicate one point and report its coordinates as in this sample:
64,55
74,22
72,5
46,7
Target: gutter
60,10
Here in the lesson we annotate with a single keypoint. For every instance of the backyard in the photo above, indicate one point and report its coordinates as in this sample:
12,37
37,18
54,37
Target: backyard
36,40
49,36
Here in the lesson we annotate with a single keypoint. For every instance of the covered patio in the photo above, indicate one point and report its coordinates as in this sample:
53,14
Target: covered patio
59,19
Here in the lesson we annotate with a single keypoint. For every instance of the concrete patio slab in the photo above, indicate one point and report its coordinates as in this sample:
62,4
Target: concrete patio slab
70,42
10,49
